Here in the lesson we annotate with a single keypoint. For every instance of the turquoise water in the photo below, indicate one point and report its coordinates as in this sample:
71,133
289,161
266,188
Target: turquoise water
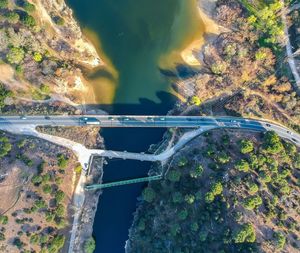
136,35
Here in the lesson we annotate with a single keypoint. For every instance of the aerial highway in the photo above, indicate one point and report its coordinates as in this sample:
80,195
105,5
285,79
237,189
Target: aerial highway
121,121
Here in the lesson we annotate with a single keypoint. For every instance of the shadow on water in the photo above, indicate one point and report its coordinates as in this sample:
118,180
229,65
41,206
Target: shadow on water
145,106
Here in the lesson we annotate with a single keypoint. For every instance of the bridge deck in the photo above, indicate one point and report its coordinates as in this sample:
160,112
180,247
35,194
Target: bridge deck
123,182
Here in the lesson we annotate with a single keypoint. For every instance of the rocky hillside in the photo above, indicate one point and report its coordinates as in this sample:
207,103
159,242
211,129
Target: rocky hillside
40,46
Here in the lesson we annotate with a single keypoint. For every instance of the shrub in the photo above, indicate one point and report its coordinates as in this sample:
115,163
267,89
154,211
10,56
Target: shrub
5,146
15,55
58,20
195,101
90,245
78,169
45,89
37,57
149,194
2,237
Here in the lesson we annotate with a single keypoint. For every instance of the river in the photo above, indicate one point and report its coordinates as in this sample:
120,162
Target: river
138,40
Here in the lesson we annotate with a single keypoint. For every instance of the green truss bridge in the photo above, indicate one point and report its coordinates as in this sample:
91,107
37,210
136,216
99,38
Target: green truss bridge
123,182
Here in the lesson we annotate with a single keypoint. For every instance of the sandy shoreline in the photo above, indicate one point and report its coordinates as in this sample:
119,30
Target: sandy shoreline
205,10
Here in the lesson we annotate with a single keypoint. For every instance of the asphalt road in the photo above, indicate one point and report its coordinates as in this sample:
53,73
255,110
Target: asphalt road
150,121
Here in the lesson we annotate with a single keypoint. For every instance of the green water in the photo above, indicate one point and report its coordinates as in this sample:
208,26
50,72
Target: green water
136,35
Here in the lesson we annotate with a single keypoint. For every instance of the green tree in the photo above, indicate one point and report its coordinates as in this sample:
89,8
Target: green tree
37,57
177,197
90,245
27,6
195,100
62,161
3,219
4,93
279,240
174,175
189,198
3,4
253,188
149,194
59,196
182,162
209,197
28,20
272,143
246,146
36,179
56,244
246,233
216,188
252,202
47,188
242,165
183,214
15,55
197,172
194,226
12,17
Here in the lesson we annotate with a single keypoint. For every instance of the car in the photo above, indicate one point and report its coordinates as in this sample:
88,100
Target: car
294,140
233,121
162,118
126,119
268,125
111,118
23,117
289,132
47,117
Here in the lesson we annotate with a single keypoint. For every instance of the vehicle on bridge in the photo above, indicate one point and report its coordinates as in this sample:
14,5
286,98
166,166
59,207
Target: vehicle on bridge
89,121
